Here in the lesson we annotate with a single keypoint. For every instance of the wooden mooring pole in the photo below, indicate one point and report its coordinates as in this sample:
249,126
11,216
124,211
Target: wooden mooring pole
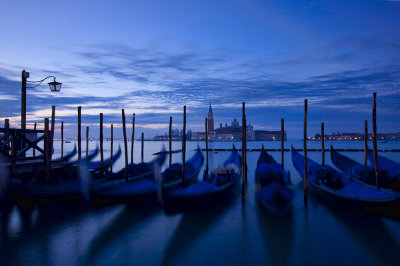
142,148
6,134
245,149
365,143
101,144
170,141
206,138
125,144
46,149
34,150
133,136
112,147
243,152
184,143
53,118
87,143
79,137
283,143
323,142
62,139
305,152
374,142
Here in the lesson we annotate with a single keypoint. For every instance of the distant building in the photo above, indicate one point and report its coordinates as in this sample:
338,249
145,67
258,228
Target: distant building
269,135
357,136
232,132
210,120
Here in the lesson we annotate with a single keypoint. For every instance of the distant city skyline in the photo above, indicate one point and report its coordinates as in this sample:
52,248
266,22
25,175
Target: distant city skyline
152,58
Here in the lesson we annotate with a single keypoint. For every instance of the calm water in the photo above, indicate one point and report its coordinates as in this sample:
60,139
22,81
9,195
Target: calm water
230,233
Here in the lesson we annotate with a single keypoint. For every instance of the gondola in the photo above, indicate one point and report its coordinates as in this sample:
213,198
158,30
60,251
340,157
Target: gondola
274,194
106,163
135,170
364,174
68,156
391,167
90,157
57,190
144,187
332,186
214,187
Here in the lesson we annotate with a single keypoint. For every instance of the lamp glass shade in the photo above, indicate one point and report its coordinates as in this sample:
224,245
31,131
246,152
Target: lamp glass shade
55,86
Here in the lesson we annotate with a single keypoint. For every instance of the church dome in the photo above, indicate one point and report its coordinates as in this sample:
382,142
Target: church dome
235,123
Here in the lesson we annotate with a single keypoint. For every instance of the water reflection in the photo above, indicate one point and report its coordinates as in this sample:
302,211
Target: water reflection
370,231
132,216
28,231
278,234
193,225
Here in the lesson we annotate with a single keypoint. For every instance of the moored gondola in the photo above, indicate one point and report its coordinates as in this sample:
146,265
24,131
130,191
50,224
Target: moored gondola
329,184
365,174
273,181
144,187
60,189
215,187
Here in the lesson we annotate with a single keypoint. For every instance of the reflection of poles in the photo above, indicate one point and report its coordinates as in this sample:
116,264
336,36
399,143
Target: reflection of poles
376,164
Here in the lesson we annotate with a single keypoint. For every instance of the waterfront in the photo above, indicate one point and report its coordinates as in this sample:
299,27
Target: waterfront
230,233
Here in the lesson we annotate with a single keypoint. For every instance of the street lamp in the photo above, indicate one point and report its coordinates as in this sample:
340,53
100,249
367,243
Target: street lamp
54,86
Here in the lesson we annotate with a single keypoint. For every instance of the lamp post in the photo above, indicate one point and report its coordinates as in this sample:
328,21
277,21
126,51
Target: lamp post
54,86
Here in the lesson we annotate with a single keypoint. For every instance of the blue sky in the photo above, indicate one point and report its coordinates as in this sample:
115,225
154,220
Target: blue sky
153,57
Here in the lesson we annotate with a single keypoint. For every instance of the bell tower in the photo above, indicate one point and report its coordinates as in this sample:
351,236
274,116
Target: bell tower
210,120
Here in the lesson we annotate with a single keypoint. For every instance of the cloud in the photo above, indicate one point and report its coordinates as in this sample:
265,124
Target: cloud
156,83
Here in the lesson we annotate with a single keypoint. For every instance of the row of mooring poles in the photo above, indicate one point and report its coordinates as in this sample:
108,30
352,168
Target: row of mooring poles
101,139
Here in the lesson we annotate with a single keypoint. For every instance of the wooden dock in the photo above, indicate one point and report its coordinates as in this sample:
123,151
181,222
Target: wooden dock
35,165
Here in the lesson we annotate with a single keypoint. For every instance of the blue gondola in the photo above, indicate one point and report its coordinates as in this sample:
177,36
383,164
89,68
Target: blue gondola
59,189
145,187
68,156
365,174
392,168
106,163
274,193
210,190
329,184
